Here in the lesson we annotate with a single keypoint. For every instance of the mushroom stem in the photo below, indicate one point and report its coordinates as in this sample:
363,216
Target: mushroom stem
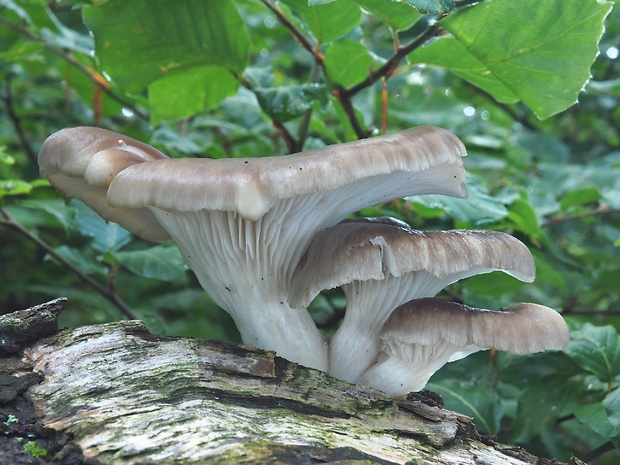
414,368
244,276
356,344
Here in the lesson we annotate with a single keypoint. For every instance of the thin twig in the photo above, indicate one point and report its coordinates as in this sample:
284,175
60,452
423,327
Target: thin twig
601,211
16,121
291,143
304,124
297,34
596,453
112,297
388,68
94,76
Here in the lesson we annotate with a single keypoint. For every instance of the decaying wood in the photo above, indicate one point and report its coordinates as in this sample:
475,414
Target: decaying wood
126,396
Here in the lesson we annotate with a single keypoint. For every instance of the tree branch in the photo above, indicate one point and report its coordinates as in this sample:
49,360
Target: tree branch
388,68
297,34
94,76
600,211
16,121
110,296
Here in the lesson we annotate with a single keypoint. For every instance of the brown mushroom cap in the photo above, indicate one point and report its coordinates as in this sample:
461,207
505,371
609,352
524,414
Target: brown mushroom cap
421,159
82,162
518,329
424,334
363,249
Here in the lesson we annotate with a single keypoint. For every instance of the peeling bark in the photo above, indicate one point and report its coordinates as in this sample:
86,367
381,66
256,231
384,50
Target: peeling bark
126,396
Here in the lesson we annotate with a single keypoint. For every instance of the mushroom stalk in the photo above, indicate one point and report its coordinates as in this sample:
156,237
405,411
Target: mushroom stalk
355,346
241,277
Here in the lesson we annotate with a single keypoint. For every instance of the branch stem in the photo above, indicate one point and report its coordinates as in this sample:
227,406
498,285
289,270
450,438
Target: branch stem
110,296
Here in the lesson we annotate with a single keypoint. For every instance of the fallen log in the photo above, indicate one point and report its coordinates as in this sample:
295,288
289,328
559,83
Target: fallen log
117,394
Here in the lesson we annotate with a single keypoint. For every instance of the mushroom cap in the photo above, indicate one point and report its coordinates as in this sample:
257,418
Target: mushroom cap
252,186
423,335
81,162
519,329
363,249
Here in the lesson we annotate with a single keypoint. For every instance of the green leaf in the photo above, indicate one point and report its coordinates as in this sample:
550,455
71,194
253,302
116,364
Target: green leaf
580,197
499,48
288,102
523,218
5,158
141,41
478,209
493,284
596,349
400,16
481,402
162,262
181,95
347,62
105,236
432,7
54,207
14,187
542,404
611,403
83,262
327,21
595,417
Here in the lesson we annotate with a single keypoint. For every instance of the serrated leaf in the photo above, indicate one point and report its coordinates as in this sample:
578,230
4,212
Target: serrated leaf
432,7
497,47
288,102
347,62
162,37
400,16
162,262
327,21
596,349
481,402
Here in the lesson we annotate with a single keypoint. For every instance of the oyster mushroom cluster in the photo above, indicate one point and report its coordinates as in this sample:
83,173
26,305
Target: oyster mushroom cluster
265,235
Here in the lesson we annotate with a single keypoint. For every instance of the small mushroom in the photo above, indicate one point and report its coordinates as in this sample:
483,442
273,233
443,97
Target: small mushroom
383,263
423,335
243,224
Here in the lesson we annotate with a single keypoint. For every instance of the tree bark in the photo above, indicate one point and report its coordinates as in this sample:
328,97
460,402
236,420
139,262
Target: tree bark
117,394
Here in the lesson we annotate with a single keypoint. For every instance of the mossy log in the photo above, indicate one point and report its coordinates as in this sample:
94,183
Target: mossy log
122,395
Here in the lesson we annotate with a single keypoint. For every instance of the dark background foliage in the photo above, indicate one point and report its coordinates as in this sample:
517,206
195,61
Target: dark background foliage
224,78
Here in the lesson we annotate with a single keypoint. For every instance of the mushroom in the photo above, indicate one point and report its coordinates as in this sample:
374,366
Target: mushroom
383,263
423,335
82,162
242,224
